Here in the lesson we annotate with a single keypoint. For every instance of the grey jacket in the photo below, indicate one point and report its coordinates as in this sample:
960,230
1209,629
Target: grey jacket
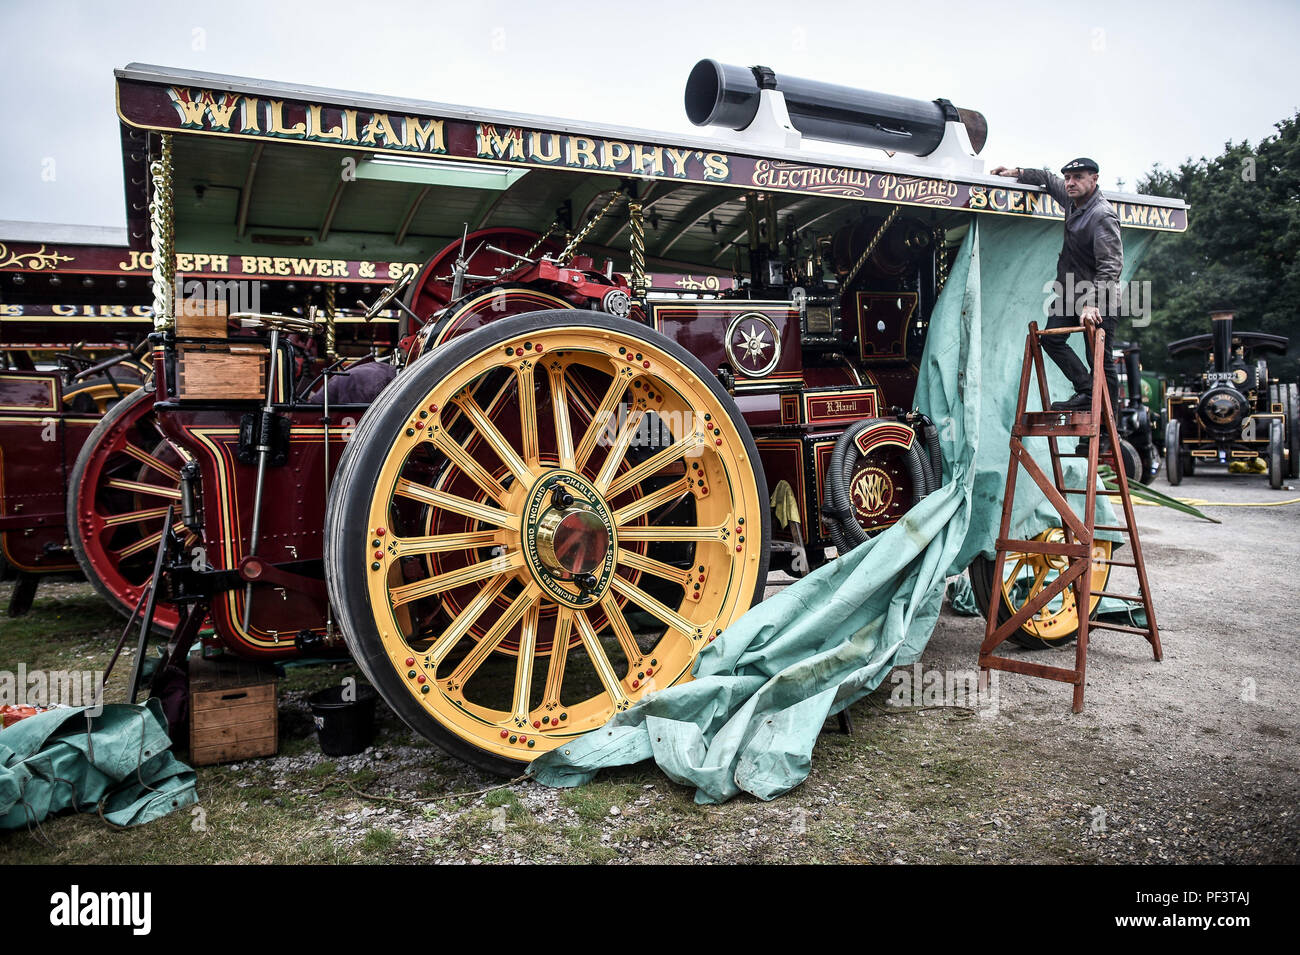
1092,252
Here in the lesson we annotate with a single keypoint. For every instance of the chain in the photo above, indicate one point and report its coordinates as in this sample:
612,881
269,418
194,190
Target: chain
550,231
941,264
871,247
162,239
577,240
330,351
637,224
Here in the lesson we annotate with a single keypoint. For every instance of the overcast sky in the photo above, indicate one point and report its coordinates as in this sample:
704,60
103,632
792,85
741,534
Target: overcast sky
1129,84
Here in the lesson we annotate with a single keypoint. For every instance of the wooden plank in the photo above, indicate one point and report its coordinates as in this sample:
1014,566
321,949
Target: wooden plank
243,728
235,731
200,318
1029,669
233,372
232,714
1058,548
215,699
230,752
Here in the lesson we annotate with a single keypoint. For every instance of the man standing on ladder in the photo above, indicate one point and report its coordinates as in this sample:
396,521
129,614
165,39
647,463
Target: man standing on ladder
1087,273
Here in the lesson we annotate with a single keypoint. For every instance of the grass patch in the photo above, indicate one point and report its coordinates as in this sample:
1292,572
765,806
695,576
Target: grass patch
379,840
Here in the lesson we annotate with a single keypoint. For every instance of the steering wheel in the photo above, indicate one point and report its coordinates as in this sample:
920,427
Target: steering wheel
387,295
285,323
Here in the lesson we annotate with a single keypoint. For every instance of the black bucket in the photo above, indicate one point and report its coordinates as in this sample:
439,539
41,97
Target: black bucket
344,727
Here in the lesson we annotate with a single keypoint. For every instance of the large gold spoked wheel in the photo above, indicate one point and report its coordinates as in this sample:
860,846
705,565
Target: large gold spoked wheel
539,523
1024,576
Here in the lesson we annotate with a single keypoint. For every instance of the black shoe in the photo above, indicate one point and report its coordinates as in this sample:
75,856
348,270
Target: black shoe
1079,401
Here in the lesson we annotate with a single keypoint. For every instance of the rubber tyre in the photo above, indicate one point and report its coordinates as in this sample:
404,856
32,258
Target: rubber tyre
1133,465
1276,455
385,445
1174,453
982,588
1150,462
1291,404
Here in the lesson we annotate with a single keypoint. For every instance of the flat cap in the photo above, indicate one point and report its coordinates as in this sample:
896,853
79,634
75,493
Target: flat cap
1082,164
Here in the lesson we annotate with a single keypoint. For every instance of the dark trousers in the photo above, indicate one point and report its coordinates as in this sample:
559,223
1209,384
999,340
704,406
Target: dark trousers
1058,349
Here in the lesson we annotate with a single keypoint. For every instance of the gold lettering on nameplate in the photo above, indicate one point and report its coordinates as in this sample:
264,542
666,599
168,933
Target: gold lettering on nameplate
828,180
311,122
914,189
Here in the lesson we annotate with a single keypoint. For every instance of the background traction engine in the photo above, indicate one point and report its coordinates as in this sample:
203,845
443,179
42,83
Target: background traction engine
1232,411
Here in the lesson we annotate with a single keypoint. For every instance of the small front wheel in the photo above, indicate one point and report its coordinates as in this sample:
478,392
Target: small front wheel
1276,457
1174,453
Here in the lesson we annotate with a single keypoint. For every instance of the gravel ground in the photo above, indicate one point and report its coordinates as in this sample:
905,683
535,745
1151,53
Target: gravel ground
1193,759
1190,760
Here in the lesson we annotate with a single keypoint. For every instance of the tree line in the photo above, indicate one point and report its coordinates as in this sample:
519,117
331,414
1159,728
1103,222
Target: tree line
1240,250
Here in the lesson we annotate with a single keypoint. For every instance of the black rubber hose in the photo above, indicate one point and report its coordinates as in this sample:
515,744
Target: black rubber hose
934,452
846,532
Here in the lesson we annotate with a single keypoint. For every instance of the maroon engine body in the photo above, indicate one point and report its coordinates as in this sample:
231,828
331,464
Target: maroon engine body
797,401
39,441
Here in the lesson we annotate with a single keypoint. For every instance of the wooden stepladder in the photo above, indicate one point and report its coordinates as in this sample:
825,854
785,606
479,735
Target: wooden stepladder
1079,530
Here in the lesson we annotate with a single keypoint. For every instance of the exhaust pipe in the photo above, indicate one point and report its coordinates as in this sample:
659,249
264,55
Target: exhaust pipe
723,95
1133,372
1221,322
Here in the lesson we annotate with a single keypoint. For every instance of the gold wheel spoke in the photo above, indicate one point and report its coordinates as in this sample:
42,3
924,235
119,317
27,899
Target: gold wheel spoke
451,502
630,558
456,578
466,619
463,460
600,661
644,505
142,544
653,464
145,457
528,438
653,607
716,533
495,439
406,546
140,487
524,663
621,629
130,517
600,418
484,648
560,408
559,656
618,449
1037,585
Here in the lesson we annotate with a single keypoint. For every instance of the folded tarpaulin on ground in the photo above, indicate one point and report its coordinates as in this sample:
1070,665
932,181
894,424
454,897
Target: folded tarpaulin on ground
64,759
750,718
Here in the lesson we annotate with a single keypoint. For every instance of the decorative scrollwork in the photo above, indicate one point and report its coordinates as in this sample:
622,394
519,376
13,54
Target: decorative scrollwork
37,261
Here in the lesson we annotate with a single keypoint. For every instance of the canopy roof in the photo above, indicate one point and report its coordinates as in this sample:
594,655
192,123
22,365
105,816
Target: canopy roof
266,168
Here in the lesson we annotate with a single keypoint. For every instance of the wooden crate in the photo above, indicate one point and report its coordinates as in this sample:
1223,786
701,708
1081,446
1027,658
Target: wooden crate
231,372
233,712
200,318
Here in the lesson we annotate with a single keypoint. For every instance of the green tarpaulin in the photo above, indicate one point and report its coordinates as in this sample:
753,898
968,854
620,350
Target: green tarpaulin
118,762
750,718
